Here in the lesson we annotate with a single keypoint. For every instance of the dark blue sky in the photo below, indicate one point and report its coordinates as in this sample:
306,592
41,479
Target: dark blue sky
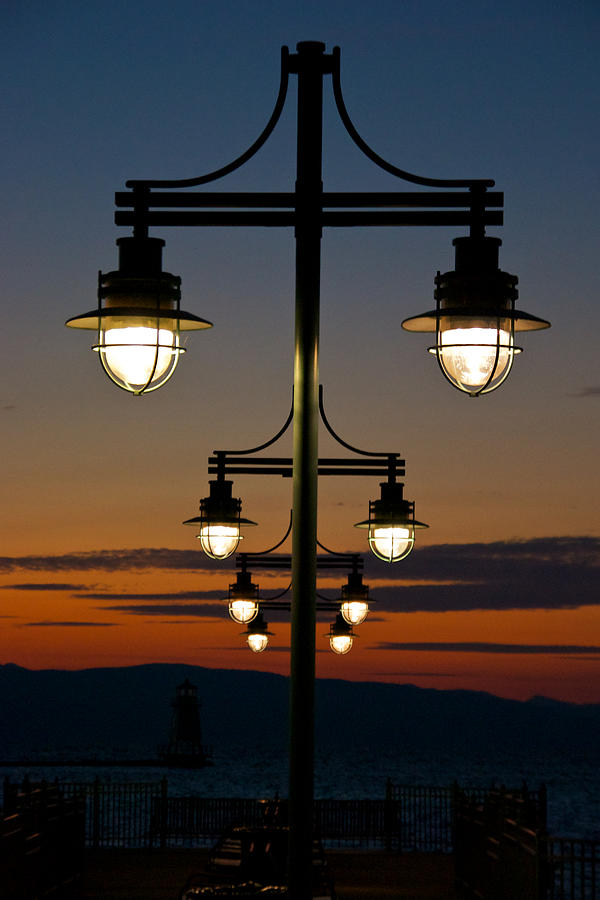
97,93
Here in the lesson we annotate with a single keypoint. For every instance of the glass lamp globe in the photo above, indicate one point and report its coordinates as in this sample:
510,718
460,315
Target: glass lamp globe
391,542
476,357
354,611
257,642
243,611
341,643
138,357
341,636
257,634
219,541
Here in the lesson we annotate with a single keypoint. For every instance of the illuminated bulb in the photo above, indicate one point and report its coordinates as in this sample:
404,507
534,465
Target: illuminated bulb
139,357
341,643
219,541
257,642
354,611
243,611
391,543
476,360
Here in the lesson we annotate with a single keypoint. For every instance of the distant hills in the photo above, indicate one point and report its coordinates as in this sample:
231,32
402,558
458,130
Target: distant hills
126,711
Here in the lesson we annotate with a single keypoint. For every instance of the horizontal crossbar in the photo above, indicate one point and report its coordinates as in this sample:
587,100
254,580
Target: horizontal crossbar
271,218
378,466
284,471
380,473
255,460
356,462
324,561
246,200
287,472
321,605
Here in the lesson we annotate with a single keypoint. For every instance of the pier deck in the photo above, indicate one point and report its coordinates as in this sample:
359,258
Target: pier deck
359,875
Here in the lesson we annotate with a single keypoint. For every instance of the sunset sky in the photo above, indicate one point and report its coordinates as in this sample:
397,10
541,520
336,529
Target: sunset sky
502,593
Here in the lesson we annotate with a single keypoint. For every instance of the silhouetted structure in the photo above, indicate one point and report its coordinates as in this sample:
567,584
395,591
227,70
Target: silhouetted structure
501,845
185,749
42,839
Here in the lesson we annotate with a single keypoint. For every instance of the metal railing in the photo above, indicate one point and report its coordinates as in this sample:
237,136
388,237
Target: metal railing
420,818
500,845
41,843
410,818
574,869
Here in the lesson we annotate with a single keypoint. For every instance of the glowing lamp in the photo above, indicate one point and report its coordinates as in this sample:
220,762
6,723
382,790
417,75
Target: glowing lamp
257,634
391,523
243,599
219,541
475,319
138,319
355,600
341,636
219,521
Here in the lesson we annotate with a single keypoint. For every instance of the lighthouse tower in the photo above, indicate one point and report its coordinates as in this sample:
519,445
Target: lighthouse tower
185,749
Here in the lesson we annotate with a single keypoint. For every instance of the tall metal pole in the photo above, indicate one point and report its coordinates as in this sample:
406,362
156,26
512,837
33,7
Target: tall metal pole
310,67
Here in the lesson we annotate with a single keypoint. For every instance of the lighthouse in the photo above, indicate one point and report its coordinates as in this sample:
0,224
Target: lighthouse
185,749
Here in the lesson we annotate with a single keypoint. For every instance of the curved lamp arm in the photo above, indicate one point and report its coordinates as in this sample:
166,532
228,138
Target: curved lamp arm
275,546
268,443
354,558
236,163
266,600
378,160
341,441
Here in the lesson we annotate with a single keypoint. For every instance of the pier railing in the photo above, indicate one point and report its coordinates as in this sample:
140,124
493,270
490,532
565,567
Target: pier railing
500,845
146,815
575,869
41,843
409,818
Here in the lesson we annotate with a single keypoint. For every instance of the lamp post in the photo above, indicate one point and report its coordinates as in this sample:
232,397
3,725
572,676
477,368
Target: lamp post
138,321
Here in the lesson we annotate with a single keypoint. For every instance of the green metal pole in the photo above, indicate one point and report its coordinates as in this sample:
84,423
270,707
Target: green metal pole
310,68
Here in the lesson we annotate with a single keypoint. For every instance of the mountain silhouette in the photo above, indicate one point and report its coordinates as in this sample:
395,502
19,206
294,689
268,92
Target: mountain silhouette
126,711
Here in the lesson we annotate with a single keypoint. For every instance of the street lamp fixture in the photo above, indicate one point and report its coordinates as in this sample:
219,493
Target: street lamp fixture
139,325
355,599
341,636
391,523
138,319
219,522
257,634
475,319
243,599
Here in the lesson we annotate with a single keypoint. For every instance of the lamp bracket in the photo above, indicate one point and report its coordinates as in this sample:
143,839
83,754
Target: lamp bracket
156,202
236,163
247,561
259,209
375,463
336,437
322,605
277,465
241,558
